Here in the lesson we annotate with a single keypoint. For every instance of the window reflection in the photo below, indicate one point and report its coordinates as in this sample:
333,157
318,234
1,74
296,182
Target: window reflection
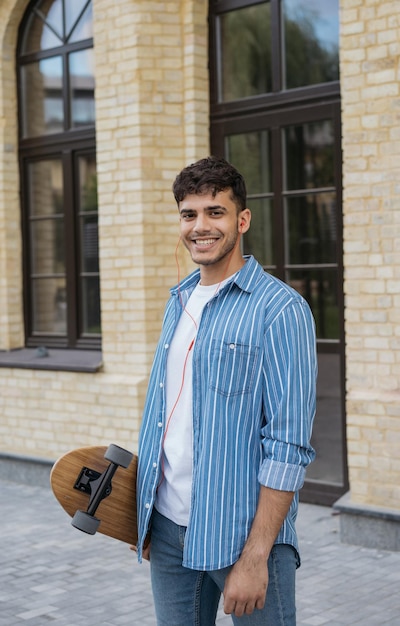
259,240
38,36
245,40
319,288
81,67
309,152
44,113
83,29
47,247
89,245
49,314
328,425
251,155
311,42
311,226
55,22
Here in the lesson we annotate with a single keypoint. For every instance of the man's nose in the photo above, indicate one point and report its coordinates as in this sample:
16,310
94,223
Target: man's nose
202,223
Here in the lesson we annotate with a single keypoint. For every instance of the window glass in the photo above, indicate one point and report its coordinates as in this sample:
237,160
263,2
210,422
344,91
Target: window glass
83,29
46,218
53,11
311,42
319,287
328,426
90,298
49,309
44,113
45,188
245,52
309,155
311,227
251,155
259,239
81,69
38,36
89,245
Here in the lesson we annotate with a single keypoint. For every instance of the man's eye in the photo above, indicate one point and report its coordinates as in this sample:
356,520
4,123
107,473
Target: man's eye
187,216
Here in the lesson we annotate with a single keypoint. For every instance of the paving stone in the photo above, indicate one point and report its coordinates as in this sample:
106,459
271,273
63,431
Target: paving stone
53,574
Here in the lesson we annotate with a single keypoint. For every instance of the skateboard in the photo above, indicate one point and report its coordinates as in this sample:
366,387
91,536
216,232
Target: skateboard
102,481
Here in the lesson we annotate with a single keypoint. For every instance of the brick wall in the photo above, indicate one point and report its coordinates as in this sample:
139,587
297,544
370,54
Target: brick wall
370,81
151,120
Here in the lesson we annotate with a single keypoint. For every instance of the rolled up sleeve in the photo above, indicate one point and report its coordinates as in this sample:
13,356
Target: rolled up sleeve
289,398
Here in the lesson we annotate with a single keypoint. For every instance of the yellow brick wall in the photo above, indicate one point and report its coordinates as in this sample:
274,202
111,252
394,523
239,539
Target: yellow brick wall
151,120
11,320
370,83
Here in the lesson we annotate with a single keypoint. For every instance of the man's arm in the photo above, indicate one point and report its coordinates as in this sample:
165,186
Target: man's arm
246,585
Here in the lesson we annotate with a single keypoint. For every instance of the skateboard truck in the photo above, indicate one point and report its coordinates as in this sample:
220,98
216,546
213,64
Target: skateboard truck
98,486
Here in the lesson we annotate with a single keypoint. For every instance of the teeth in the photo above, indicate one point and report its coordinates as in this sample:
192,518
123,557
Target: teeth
204,242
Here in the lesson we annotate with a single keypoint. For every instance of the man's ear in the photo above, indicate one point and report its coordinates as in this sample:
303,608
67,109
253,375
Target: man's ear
244,220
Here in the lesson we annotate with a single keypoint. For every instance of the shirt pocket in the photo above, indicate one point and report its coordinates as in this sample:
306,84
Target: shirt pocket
233,367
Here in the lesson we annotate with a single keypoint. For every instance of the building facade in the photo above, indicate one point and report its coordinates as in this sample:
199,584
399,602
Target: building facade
101,104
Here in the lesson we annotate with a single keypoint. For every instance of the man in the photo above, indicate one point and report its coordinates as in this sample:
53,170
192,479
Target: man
226,429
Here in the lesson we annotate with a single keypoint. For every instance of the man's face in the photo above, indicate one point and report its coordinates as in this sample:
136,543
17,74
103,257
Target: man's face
210,227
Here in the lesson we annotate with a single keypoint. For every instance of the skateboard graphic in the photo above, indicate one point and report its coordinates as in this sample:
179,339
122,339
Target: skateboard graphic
102,481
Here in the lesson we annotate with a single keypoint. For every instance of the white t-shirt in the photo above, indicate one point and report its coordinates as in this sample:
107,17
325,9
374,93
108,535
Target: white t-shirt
174,492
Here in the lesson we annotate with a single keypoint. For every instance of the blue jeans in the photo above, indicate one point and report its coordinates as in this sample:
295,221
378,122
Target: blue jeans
185,597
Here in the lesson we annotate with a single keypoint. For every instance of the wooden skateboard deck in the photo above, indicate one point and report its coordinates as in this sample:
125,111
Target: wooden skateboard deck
85,473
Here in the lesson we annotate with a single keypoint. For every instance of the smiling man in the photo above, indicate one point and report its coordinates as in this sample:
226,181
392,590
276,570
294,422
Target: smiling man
225,436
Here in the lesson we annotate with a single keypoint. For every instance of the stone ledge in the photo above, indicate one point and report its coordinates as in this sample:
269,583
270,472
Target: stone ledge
52,359
368,526
25,470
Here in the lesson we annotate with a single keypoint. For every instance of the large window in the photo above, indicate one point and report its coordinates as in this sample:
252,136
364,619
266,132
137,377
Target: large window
58,175
275,114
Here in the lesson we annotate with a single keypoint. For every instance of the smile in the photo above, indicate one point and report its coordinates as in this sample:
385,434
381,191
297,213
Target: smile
204,242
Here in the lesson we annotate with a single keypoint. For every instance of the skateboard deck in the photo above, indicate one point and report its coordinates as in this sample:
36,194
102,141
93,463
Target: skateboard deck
96,486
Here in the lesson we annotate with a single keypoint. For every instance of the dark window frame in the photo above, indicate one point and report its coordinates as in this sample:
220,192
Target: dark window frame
273,111
66,146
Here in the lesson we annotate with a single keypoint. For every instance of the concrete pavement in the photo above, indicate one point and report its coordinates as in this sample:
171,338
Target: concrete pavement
52,573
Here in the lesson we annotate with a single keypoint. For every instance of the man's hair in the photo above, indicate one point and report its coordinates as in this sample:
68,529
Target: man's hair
211,175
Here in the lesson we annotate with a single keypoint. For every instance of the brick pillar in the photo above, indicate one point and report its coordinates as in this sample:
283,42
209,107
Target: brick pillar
370,80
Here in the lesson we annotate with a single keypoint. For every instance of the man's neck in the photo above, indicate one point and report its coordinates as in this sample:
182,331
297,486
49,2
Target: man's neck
210,275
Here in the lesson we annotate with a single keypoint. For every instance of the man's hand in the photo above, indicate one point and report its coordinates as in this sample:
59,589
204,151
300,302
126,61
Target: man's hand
246,586
145,551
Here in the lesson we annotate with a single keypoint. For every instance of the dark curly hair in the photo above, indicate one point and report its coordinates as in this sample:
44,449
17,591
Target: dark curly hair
211,175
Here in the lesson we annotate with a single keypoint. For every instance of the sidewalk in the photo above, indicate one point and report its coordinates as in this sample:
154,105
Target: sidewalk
52,573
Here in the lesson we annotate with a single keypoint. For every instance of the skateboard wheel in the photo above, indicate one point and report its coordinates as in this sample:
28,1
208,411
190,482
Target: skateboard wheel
85,522
118,455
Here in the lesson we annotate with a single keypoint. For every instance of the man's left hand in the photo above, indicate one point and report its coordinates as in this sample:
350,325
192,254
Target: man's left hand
246,586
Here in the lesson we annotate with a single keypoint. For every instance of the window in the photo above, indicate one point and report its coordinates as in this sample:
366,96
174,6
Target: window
58,175
275,114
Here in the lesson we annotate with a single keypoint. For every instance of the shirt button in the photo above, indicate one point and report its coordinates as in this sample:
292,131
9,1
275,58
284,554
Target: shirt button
166,346
147,505
154,465
159,424
232,346
161,385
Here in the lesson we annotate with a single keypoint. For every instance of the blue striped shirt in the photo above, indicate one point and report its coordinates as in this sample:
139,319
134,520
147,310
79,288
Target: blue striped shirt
254,377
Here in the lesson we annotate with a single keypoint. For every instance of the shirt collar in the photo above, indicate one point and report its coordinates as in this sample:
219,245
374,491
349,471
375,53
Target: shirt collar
246,278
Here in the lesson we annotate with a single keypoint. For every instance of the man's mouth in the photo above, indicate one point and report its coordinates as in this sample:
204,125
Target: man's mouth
204,242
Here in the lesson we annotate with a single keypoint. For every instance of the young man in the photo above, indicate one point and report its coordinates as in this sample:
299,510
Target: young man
226,429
